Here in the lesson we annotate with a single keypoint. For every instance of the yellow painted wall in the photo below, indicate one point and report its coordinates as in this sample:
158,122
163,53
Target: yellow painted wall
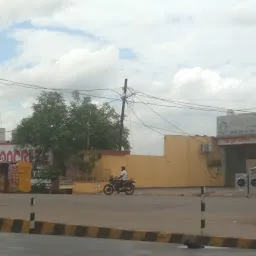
147,170
183,165
24,174
89,187
188,164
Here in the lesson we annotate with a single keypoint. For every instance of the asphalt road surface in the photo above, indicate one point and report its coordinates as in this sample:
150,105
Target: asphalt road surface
224,216
37,245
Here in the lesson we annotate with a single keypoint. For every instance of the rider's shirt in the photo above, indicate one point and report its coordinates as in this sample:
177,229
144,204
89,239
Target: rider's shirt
124,175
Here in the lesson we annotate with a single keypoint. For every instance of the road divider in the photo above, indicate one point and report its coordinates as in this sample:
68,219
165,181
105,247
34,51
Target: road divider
202,226
60,229
32,216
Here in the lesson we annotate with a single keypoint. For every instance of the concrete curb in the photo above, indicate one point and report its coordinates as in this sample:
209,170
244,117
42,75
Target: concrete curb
59,229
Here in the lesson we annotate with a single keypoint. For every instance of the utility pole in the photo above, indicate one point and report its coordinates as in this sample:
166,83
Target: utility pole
122,114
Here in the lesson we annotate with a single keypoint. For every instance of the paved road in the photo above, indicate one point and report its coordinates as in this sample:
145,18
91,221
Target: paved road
225,216
30,245
210,191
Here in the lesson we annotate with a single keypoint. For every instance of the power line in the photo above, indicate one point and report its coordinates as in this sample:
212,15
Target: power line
207,99
179,104
154,127
179,107
68,90
142,122
83,90
183,132
192,105
166,120
87,95
175,126
37,87
100,97
114,100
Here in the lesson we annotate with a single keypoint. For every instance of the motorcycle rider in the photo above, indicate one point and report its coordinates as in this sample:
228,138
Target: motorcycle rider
123,177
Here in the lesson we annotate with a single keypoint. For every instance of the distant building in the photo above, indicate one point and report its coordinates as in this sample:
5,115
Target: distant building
236,134
2,135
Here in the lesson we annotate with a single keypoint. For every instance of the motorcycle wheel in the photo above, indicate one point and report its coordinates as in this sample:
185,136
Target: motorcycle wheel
129,190
108,190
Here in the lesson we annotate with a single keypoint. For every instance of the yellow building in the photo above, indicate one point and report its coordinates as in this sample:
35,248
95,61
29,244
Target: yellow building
24,176
187,161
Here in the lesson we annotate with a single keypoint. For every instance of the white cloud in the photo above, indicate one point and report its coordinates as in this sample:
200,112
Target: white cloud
22,10
244,13
60,60
189,51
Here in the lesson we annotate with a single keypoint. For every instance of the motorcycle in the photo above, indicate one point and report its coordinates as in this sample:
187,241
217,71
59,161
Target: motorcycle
128,186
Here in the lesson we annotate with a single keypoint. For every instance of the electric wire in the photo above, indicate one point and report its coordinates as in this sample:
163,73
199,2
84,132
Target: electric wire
183,132
178,104
192,105
37,87
154,127
166,120
180,107
149,127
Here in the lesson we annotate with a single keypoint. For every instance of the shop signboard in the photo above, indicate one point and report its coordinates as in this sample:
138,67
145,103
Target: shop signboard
236,141
12,153
236,125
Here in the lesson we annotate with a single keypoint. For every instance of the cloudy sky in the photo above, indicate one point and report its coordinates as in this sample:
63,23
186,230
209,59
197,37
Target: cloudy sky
183,55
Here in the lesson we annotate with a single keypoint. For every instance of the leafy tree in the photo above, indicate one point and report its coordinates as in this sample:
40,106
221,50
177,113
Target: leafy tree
50,173
68,129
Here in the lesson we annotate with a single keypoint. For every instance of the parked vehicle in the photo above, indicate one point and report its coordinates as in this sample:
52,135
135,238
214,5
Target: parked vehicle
128,186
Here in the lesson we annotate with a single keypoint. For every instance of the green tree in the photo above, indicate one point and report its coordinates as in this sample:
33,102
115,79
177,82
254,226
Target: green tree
68,129
98,124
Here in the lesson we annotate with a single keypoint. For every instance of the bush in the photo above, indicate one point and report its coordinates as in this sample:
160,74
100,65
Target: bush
39,188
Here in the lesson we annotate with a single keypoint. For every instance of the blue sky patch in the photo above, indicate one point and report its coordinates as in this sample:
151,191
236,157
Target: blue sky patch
29,25
75,32
8,44
22,25
127,54
8,47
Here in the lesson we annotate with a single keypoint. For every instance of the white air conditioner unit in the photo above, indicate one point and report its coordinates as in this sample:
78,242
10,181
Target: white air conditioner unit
241,183
206,147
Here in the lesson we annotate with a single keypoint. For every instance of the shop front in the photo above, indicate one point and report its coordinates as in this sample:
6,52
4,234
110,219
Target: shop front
11,153
237,138
15,177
